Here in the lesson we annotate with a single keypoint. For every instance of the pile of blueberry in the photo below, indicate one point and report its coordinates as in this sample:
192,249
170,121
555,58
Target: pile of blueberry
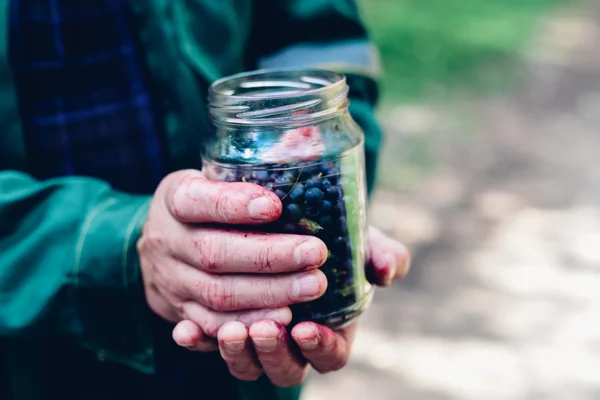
314,203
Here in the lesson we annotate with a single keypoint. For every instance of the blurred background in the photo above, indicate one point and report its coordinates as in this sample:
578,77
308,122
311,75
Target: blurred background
491,174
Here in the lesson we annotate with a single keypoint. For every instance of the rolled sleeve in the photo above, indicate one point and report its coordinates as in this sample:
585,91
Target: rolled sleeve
69,265
111,300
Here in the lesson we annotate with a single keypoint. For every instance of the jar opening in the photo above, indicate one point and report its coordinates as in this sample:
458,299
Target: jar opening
278,96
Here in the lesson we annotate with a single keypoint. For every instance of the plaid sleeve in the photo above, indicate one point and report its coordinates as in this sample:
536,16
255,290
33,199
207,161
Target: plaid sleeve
325,34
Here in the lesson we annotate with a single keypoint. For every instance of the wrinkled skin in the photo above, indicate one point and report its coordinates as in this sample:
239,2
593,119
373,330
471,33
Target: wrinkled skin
229,289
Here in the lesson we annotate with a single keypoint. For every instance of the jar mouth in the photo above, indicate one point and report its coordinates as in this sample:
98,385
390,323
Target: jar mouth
273,83
276,96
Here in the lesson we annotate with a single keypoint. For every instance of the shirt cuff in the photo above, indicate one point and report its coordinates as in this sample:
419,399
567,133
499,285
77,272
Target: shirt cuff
108,285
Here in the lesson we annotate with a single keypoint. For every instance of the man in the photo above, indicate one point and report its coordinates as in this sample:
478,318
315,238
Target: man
105,220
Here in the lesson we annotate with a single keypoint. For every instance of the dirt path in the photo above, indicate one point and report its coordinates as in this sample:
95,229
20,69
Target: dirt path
504,299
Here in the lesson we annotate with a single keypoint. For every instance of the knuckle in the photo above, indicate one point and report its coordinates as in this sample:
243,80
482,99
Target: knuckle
149,241
220,203
268,296
153,242
141,245
199,288
210,250
165,281
218,294
161,281
265,257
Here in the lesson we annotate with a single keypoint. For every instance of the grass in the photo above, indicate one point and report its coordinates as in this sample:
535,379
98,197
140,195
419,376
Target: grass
441,45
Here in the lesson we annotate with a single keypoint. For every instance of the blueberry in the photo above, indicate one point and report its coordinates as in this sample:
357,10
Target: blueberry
332,277
280,193
292,212
342,223
237,175
325,207
325,167
290,228
254,181
312,212
326,222
333,260
261,175
339,243
333,172
297,193
325,183
337,210
245,176
349,265
333,176
333,193
313,196
310,171
269,186
313,183
283,182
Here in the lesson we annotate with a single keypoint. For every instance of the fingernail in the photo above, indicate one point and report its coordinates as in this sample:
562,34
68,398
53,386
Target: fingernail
309,344
234,347
306,286
265,345
390,261
187,346
308,254
260,208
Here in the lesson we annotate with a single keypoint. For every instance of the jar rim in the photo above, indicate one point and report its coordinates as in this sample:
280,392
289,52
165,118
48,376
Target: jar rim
278,96
219,87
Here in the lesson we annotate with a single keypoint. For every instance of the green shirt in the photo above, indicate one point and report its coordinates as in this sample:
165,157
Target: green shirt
69,273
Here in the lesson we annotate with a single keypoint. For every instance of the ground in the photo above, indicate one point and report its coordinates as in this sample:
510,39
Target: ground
503,301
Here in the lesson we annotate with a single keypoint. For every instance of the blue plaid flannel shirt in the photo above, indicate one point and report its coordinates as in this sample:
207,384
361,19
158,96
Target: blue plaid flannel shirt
86,109
83,91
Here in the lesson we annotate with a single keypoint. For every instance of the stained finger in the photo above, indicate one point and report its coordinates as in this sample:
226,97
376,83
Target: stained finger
222,251
237,351
389,259
189,335
277,355
324,349
194,199
250,292
211,321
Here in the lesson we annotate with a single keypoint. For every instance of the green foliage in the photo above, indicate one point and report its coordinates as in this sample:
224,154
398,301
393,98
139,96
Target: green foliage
437,44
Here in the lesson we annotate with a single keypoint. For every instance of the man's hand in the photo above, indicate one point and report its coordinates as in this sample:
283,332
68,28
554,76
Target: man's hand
266,347
195,269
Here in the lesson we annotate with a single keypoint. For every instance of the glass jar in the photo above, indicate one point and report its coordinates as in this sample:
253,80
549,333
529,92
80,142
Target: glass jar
290,131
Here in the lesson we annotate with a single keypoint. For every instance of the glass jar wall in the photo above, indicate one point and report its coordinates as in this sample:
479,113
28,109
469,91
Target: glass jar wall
290,131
